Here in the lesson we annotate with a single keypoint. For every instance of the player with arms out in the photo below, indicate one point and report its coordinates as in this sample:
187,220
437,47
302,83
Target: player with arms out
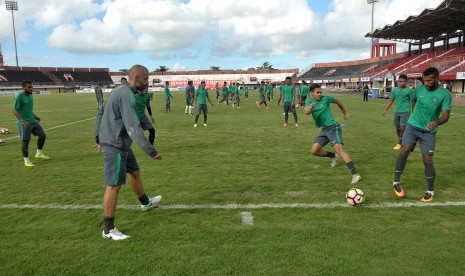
117,125
318,106
432,105
28,123
402,95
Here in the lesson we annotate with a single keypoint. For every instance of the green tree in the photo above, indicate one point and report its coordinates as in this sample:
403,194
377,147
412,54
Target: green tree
215,68
162,68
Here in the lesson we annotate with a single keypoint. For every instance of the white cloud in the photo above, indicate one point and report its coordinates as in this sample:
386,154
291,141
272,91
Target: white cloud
177,67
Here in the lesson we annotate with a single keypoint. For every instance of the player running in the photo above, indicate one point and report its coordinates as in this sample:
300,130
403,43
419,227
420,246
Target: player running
432,106
318,106
224,93
402,95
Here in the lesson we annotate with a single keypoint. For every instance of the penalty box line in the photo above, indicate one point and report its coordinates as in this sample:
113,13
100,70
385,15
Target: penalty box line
238,206
55,127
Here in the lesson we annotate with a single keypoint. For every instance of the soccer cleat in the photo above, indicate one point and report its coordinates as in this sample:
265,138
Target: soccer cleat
42,156
28,164
397,147
195,125
399,191
204,124
152,203
334,160
296,124
115,235
427,197
356,178
285,125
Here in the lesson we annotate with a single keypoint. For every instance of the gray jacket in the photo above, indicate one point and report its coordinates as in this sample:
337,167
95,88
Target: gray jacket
117,122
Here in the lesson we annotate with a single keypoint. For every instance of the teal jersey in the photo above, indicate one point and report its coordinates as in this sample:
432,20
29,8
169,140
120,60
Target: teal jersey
231,90
304,90
167,92
246,89
224,91
142,102
24,104
288,92
322,112
261,89
201,95
403,98
217,88
429,106
269,88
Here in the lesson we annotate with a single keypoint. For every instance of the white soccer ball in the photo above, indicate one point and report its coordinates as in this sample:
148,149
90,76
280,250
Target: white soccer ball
355,197
6,130
2,130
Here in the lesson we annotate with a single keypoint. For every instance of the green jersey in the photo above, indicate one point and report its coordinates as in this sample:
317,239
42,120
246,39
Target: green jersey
246,89
429,106
24,104
288,91
304,90
142,102
322,112
269,88
167,92
224,91
201,95
261,89
402,97
217,88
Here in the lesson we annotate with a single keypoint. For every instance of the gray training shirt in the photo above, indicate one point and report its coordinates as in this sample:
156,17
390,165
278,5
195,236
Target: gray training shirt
190,92
117,122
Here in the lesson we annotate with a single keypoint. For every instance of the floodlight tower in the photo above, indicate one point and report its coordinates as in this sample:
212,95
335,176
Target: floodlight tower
372,2
12,6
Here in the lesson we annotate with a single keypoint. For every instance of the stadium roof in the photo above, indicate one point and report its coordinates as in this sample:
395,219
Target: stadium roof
447,18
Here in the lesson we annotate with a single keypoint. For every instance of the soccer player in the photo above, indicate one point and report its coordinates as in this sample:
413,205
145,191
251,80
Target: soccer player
432,106
402,95
261,94
365,93
143,102
190,90
99,95
117,125
304,91
246,91
217,91
288,96
269,91
168,96
28,123
224,93
201,96
318,106
234,90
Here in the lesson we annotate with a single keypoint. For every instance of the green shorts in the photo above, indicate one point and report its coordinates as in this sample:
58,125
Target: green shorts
188,101
116,164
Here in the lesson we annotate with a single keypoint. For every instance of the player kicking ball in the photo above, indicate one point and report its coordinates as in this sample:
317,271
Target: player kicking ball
318,106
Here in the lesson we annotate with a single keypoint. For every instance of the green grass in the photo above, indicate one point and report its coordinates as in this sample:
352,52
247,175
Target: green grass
243,156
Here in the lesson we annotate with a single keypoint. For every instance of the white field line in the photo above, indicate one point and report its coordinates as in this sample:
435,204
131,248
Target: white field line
247,218
333,205
55,127
456,114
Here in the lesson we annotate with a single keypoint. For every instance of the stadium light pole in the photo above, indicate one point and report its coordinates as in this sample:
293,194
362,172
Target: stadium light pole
12,6
372,2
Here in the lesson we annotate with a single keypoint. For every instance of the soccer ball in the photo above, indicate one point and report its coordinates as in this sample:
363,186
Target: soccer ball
355,197
6,130
2,130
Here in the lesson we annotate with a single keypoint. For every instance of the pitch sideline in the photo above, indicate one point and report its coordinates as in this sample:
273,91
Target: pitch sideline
334,205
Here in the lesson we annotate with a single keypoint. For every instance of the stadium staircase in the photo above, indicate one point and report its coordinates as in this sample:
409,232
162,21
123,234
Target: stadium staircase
52,77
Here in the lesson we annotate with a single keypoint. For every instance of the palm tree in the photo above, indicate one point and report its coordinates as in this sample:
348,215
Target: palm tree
215,68
266,66
162,68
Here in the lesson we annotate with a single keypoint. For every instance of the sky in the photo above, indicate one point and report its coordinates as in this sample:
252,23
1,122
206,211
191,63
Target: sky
195,34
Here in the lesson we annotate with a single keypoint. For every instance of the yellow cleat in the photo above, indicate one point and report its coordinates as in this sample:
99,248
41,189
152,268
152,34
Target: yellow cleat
397,147
28,164
42,156
399,191
427,198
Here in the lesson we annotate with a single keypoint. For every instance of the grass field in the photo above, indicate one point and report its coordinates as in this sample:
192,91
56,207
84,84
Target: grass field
243,157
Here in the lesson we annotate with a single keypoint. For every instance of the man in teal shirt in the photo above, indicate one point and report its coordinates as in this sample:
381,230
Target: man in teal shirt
168,96
318,106
402,95
142,103
224,93
201,96
246,91
288,97
303,93
432,105
261,94
28,123
269,91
